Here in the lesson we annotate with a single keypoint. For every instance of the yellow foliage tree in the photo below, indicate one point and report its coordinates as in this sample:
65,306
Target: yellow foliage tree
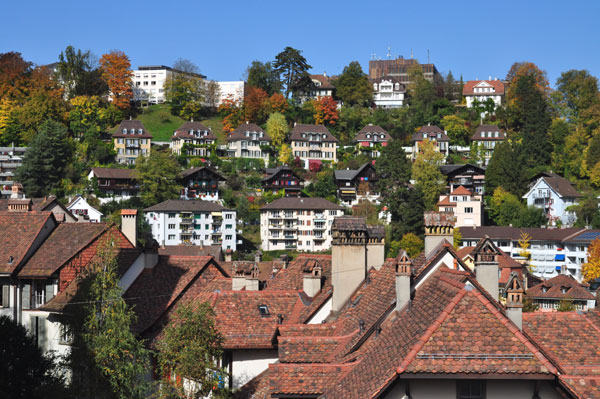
285,154
591,269
524,247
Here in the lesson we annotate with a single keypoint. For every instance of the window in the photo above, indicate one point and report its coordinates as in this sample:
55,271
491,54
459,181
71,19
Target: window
229,216
264,310
332,213
468,210
171,226
228,237
5,298
171,236
470,389
171,215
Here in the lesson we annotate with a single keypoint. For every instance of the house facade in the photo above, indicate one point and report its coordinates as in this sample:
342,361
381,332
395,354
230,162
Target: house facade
359,185
313,143
192,222
482,90
302,224
115,184
554,195
131,140
10,159
197,139
549,294
246,142
371,139
433,134
471,177
282,178
388,92
83,210
466,207
486,138
201,183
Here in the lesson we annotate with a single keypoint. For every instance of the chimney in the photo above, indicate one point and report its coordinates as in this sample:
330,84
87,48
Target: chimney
129,224
228,255
258,256
486,265
245,276
375,247
403,276
286,260
514,300
17,191
311,282
439,226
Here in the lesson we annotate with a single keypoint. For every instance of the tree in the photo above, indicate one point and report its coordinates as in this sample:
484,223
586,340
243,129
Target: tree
278,103
256,105
157,175
367,211
45,163
76,70
212,95
263,76
115,67
457,129
519,69
565,305
185,90
285,154
277,128
293,69
577,91
25,371
591,269
353,87
232,114
412,244
190,349
426,173
394,169
507,169
185,65
88,113
325,111
524,244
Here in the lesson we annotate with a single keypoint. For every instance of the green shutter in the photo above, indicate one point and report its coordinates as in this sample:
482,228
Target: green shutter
49,292
26,296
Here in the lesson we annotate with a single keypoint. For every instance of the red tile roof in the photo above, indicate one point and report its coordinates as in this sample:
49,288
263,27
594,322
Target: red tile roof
18,232
240,132
305,379
461,190
468,88
299,129
554,287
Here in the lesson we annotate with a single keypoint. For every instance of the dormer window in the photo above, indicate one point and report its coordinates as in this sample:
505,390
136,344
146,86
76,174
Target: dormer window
439,135
11,259
496,134
564,289
424,135
482,134
124,131
247,134
397,86
303,135
260,134
489,134
140,131
544,289
264,310
368,136
132,131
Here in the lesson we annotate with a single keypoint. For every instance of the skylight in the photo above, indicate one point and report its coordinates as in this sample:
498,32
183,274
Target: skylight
264,310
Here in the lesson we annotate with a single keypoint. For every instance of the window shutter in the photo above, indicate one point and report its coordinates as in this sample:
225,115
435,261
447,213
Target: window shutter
33,326
26,296
42,334
49,292
6,296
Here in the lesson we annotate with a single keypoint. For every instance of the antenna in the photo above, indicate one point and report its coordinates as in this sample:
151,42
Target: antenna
428,57
412,55
389,53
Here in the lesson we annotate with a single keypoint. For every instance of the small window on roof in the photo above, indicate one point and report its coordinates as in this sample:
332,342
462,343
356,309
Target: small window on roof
124,131
482,134
368,136
424,135
264,310
324,136
140,131
11,259
132,131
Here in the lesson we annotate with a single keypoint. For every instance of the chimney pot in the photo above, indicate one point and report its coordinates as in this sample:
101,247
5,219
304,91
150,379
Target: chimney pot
129,224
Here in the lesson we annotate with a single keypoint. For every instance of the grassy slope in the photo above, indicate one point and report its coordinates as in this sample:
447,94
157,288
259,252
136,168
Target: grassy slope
161,123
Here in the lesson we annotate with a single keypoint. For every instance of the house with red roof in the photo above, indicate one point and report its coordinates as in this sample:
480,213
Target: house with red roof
548,294
466,207
483,90
196,138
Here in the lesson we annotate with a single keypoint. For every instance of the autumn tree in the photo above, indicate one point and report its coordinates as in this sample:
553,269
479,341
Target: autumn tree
285,154
157,175
116,72
426,173
412,244
278,103
353,87
577,91
367,211
457,129
263,76
326,112
591,269
277,128
293,69
256,105
232,113
90,113
519,69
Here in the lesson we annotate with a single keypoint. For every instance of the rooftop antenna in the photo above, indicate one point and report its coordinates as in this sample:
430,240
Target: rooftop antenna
428,57
389,53
412,55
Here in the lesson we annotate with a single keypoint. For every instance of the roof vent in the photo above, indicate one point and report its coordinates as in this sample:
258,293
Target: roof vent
11,259
279,318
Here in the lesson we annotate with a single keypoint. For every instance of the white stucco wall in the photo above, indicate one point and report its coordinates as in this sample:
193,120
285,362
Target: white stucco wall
247,364
322,313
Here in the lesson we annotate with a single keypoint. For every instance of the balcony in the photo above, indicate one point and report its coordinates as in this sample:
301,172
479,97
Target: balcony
290,227
319,216
275,217
289,216
290,236
320,238
320,226
187,220
275,226
290,246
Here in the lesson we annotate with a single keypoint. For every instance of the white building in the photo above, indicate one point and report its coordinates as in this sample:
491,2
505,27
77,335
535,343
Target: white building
149,82
388,92
466,207
10,159
434,134
302,224
84,211
246,141
193,222
233,90
553,194
482,90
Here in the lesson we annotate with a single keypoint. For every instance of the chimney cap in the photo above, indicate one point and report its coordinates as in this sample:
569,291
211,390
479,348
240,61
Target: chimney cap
129,211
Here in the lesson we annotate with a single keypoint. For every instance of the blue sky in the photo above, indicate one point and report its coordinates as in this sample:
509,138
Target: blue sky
474,38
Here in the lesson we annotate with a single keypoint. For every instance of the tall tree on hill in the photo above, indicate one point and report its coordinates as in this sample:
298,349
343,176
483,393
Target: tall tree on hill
293,69
46,160
116,72
263,76
576,92
353,87
519,69
186,92
326,112
426,173
507,169
277,128
77,71
157,175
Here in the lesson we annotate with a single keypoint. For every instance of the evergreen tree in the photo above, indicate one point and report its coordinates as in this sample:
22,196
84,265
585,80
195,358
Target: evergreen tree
507,169
46,160
293,69
263,76
353,87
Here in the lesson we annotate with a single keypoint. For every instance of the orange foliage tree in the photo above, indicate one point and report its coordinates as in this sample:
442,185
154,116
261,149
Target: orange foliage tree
325,111
115,67
256,105
231,112
278,103
591,269
519,69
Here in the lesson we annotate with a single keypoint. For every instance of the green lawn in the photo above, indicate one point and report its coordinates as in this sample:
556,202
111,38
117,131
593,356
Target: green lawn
161,123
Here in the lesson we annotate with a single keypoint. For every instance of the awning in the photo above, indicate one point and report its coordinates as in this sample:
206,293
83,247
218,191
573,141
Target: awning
559,257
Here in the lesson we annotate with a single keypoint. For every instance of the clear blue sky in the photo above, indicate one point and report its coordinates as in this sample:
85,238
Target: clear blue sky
473,38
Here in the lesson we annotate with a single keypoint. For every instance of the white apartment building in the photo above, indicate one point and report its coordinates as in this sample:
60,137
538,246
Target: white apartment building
10,159
388,92
233,90
466,207
192,222
149,82
299,224
245,142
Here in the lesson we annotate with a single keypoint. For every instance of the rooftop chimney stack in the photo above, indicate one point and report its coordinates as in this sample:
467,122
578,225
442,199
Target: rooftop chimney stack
439,226
403,277
258,256
514,300
245,276
129,224
486,265
311,282
228,255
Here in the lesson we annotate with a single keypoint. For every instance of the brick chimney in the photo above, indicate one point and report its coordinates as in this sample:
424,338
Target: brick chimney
439,226
129,224
486,265
403,277
514,299
311,282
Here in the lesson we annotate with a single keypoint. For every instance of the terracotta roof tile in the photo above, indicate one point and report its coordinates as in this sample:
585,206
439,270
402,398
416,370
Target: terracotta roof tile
460,190
468,88
299,129
305,379
554,287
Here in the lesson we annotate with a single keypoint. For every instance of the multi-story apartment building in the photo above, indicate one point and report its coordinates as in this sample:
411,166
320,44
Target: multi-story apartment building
400,67
149,82
192,222
466,207
552,251
371,138
197,138
434,134
553,194
482,90
302,224
358,185
388,92
10,159
486,138
472,177
313,143
246,141
131,140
